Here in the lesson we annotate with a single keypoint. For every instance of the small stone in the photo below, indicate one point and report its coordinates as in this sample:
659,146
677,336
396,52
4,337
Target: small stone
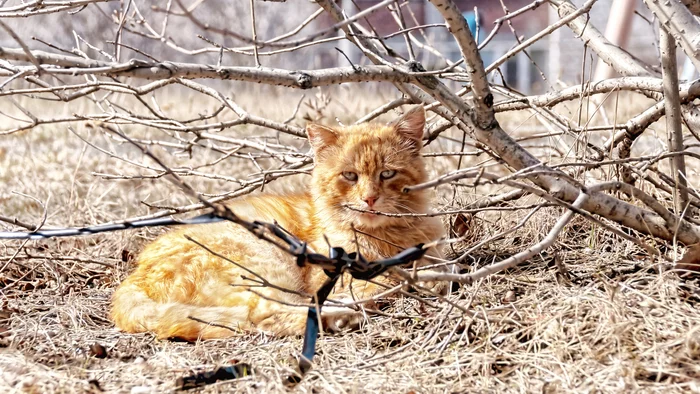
509,297
141,390
27,383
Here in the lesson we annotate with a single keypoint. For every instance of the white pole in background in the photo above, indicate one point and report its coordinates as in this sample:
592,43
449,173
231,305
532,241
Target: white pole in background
617,31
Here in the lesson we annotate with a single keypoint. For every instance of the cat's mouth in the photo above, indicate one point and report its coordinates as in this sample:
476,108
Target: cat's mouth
363,211
368,215
371,220
367,218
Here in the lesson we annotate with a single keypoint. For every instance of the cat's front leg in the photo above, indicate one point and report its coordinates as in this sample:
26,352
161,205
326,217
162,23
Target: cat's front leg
346,309
336,317
434,261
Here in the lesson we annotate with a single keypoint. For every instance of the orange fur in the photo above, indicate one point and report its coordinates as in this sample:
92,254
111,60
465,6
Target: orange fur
177,279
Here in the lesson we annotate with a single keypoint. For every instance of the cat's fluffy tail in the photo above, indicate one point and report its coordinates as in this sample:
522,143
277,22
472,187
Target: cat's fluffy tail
134,311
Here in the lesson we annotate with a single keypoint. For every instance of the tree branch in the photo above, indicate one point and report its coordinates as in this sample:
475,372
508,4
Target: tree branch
681,24
612,55
673,117
73,65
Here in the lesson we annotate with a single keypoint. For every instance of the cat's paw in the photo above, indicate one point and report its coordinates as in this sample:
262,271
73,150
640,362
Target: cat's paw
337,318
441,287
435,286
339,323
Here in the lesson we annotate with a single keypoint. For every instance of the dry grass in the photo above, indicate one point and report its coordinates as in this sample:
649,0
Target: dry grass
607,319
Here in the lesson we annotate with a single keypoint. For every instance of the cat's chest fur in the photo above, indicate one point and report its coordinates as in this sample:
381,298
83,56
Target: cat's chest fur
385,242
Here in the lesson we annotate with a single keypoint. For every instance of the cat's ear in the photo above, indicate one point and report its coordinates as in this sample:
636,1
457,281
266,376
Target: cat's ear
411,125
320,136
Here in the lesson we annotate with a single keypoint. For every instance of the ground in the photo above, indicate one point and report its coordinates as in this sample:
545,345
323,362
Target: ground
592,314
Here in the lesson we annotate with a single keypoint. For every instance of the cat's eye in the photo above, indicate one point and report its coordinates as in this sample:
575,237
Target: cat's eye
349,175
386,174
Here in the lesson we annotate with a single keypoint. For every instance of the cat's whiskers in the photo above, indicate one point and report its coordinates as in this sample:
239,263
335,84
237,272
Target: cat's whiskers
407,209
330,219
408,221
340,217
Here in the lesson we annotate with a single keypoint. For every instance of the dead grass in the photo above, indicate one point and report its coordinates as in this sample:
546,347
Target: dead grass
608,319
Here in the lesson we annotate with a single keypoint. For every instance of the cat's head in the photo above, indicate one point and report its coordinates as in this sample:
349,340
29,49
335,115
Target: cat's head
366,167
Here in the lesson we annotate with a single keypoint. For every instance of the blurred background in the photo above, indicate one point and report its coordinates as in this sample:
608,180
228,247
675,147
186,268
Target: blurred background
559,58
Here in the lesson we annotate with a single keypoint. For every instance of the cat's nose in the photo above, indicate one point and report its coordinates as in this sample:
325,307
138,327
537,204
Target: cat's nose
370,200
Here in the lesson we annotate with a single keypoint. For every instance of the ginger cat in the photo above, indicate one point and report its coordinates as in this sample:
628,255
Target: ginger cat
363,166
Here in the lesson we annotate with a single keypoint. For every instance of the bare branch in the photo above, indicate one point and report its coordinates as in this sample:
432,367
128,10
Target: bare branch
681,24
673,116
483,99
70,65
614,56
